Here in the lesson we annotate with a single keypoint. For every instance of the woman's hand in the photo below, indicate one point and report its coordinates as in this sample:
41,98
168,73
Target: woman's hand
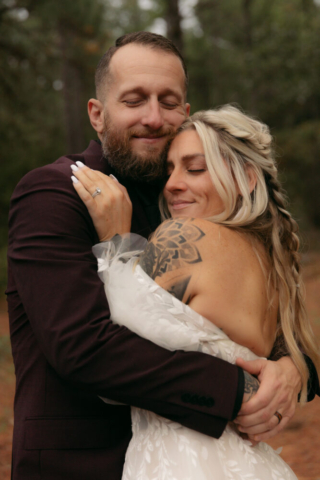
107,201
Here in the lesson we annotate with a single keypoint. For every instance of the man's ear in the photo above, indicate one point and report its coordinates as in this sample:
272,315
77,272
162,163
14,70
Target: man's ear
252,178
96,114
187,109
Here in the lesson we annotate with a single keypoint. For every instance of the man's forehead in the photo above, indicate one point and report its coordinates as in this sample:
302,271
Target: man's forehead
135,60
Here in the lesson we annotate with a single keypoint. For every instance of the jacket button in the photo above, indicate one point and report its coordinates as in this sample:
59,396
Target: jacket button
185,397
209,402
194,399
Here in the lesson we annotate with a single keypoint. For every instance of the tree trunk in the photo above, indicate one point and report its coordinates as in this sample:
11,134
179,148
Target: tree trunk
248,44
173,19
72,96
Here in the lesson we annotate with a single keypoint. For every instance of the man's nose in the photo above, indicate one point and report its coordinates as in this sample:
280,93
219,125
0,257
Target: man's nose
153,116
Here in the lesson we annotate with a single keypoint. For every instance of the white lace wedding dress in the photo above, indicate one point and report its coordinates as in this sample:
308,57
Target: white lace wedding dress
161,449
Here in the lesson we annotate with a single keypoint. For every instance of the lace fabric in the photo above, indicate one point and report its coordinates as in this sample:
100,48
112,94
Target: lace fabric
161,449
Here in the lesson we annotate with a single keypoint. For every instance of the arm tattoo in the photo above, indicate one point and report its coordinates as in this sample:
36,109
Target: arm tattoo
178,290
251,385
172,246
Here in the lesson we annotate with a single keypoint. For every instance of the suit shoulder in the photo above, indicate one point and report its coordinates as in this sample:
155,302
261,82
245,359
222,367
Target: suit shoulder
60,167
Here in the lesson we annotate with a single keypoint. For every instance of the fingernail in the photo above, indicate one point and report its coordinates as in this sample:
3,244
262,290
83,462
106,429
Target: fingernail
74,179
113,177
74,168
80,164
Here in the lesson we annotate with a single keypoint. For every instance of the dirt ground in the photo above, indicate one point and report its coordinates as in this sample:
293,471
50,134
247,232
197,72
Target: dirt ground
300,440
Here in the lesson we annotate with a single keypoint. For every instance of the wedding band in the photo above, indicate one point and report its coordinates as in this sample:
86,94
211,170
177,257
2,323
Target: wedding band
279,416
96,192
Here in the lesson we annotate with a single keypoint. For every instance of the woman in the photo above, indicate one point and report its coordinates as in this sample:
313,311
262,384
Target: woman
220,276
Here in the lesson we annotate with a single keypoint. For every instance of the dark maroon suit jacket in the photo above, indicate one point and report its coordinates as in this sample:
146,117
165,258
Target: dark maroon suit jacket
67,351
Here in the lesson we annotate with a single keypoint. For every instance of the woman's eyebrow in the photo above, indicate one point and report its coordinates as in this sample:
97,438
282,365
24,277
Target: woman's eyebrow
185,158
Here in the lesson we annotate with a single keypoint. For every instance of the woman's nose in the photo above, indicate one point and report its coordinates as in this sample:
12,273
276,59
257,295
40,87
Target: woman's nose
175,182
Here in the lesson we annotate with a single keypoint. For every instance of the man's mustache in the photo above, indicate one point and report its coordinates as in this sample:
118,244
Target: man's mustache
151,133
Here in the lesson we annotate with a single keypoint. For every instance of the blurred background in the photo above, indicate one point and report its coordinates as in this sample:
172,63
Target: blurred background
261,54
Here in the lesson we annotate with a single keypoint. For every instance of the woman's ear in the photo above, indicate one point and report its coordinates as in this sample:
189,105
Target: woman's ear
252,178
96,114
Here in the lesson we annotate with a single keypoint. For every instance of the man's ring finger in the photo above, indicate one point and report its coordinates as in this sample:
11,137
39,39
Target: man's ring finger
96,192
279,416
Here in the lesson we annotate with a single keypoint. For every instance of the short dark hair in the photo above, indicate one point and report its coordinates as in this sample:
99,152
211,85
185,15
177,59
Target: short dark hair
147,39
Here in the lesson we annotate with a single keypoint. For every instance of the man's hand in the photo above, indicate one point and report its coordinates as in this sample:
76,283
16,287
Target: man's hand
280,384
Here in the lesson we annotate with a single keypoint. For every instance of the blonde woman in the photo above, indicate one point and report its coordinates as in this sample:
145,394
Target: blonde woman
220,275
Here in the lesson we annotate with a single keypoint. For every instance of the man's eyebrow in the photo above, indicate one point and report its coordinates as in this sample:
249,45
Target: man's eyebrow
129,90
170,91
142,91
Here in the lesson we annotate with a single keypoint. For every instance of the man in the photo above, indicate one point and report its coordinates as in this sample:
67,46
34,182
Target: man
66,350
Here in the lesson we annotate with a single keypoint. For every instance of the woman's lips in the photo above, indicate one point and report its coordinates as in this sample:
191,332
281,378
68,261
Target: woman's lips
180,205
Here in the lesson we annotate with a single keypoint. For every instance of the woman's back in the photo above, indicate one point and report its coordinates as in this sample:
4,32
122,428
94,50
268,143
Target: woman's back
221,274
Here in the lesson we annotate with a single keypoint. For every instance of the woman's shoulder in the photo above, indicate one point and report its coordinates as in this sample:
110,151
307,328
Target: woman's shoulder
206,234
196,228
198,234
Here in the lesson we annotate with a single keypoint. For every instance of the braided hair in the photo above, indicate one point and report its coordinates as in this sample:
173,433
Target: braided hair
237,149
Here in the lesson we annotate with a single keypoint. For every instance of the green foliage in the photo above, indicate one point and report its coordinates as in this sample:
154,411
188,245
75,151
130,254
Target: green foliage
5,349
262,55
299,149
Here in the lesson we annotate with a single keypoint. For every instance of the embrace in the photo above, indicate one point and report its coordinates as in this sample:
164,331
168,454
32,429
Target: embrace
195,347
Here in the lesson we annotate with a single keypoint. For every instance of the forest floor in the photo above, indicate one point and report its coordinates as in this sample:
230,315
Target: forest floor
300,440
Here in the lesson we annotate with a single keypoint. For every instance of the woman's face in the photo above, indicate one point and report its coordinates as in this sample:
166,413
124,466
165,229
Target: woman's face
189,191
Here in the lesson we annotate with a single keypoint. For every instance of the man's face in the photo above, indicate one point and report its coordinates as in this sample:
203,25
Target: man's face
145,104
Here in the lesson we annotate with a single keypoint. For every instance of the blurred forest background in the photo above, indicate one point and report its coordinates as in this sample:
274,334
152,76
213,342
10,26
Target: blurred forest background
262,54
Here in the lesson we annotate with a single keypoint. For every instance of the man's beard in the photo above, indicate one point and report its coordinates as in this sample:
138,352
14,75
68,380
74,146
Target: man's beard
151,165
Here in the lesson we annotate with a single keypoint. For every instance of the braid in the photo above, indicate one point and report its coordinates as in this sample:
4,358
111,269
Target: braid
236,145
284,252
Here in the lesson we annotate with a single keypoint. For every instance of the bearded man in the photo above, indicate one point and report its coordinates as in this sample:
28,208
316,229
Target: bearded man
67,351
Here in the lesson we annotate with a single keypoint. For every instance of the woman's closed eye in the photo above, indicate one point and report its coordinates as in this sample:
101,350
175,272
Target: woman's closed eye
196,170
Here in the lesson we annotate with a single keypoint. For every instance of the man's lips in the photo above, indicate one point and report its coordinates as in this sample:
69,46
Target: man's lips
149,138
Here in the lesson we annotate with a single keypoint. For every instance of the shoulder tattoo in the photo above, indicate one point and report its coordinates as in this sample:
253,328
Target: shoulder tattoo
178,289
172,246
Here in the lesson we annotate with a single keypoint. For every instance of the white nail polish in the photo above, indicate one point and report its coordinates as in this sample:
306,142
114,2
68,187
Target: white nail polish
74,168
74,179
80,164
113,177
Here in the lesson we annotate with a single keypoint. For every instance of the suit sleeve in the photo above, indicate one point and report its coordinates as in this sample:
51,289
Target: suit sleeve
50,253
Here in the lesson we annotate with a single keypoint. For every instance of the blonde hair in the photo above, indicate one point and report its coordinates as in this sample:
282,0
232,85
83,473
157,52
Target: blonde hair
235,144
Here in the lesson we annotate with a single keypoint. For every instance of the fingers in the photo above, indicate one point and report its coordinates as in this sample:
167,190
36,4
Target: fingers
111,208
91,179
249,424
254,366
83,193
262,437
116,184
